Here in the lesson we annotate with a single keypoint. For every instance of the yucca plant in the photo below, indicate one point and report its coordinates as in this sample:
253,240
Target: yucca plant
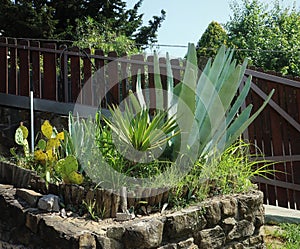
136,132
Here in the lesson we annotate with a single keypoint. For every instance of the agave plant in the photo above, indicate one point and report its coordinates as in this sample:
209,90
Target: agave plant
206,108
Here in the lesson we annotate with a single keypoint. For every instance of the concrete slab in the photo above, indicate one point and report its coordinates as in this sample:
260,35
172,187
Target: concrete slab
274,215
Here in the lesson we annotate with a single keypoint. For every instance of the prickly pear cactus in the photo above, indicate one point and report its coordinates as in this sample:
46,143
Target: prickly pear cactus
67,168
47,129
21,135
19,138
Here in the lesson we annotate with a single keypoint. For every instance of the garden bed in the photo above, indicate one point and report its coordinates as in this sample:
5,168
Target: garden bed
106,200
231,221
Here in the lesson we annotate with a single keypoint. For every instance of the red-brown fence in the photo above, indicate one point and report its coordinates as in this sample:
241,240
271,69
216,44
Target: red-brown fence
59,74
276,132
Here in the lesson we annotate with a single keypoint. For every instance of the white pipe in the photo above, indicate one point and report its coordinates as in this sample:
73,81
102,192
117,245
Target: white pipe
32,121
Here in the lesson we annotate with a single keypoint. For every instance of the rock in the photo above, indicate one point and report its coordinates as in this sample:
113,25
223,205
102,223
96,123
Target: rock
115,232
143,234
187,244
256,240
87,241
211,238
228,224
229,207
49,203
63,213
184,223
169,246
30,196
124,216
107,243
259,217
243,228
32,220
248,204
212,213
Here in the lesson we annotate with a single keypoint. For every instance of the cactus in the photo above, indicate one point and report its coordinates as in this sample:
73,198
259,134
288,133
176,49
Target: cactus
21,138
67,168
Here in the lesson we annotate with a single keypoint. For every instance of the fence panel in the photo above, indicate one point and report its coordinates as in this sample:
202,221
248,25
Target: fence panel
87,94
277,133
113,79
13,73
49,83
135,68
3,67
24,80
36,69
75,77
99,80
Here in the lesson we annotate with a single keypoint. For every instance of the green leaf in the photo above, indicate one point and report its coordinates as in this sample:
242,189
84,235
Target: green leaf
158,85
241,129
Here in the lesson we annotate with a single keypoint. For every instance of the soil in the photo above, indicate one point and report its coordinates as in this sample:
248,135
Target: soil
271,238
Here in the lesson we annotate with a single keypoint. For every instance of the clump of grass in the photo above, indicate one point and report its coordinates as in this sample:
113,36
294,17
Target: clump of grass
225,173
284,236
291,235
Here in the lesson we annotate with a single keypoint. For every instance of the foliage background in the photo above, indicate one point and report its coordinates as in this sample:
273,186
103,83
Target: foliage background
269,35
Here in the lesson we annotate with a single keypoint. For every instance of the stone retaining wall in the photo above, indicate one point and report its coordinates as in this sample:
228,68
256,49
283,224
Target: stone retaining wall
71,194
221,222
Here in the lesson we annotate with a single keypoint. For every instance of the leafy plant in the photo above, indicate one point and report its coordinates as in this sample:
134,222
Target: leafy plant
21,136
90,207
47,149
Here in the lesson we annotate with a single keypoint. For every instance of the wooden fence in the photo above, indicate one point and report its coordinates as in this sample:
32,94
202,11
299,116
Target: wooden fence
57,76
276,132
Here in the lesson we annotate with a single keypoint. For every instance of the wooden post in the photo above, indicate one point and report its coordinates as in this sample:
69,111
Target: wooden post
123,203
75,77
87,95
49,90
24,68
13,76
36,70
99,80
113,80
176,72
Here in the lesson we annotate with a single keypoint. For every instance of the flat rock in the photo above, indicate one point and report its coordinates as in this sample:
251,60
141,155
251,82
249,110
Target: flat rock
30,196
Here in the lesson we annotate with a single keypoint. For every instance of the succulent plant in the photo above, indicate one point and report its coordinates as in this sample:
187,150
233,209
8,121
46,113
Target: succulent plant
68,169
205,107
21,135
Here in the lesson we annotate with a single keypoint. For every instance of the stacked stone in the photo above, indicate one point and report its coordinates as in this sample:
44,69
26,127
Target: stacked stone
230,222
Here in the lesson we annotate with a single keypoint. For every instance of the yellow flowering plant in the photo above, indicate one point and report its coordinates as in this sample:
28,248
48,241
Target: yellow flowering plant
49,157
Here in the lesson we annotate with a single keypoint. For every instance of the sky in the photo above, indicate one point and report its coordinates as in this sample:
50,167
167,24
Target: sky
186,20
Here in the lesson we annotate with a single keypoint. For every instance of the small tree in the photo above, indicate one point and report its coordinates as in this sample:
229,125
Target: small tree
213,37
89,34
